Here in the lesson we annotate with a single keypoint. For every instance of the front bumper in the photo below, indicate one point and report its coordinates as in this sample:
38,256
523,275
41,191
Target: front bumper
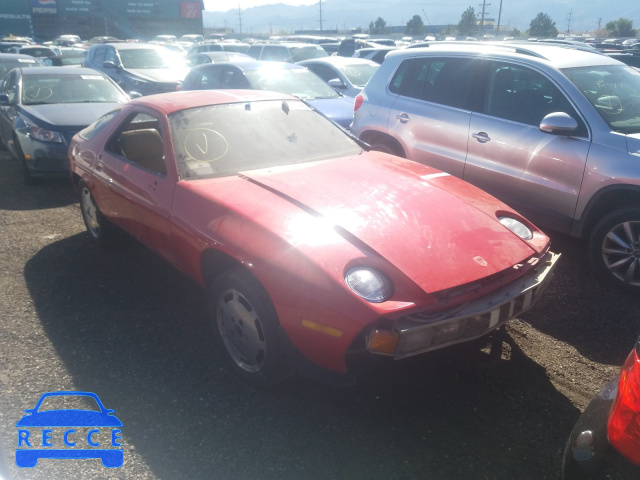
422,332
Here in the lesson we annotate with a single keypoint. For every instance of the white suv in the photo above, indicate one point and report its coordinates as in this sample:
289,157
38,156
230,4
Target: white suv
552,131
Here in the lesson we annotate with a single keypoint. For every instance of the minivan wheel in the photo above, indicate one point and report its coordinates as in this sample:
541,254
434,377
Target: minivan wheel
614,248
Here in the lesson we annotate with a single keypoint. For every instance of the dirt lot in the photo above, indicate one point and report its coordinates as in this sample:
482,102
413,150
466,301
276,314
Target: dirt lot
123,324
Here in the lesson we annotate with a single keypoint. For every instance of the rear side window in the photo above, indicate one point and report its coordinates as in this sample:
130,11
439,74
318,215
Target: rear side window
446,81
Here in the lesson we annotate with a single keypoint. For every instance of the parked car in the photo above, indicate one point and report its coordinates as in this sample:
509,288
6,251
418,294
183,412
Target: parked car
286,52
345,75
9,61
238,47
276,76
191,39
41,108
311,248
605,442
375,54
216,57
37,51
139,67
552,131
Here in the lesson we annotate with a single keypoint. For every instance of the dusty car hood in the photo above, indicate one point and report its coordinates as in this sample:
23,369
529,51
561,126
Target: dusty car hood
420,223
69,114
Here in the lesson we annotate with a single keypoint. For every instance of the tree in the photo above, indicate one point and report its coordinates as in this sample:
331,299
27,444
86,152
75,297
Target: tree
621,28
468,24
415,26
543,26
379,27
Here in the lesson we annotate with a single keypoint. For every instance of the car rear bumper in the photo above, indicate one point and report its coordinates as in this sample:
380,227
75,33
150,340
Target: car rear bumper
418,333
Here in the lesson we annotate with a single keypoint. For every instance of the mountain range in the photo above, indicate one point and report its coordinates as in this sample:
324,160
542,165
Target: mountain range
344,15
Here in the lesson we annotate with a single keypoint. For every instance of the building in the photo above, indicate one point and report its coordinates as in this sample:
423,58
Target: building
126,19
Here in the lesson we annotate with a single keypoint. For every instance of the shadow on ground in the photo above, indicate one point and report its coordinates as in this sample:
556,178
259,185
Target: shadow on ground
133,330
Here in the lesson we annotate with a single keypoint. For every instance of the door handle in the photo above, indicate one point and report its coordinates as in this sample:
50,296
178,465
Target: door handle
403,117
482,137
99,166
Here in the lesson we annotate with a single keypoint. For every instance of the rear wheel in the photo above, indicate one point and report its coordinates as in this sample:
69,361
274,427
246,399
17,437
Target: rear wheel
614,249
246,325
99,228
386,146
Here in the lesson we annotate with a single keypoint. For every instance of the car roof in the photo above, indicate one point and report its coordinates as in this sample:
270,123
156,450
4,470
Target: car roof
60,71
249,65
175,101
132,46
17,56
558,56
339,61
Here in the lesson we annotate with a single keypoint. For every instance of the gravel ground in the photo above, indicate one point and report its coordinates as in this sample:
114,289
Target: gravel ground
123,324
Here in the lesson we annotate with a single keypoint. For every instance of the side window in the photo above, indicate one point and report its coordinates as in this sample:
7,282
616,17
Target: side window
446,81
139,141
10,87
111,56
523,95
233,78
254,51
99,55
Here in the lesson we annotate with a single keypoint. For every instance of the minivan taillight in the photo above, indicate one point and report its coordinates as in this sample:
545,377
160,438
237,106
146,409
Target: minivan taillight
358,102
624,419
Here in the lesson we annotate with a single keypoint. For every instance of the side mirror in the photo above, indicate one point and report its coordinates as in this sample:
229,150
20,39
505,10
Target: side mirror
110,64
133,95
558,122
4,99
336,83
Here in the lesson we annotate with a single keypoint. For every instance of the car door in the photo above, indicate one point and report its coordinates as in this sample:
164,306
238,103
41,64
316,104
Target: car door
135,183
430,115
536,173
9,111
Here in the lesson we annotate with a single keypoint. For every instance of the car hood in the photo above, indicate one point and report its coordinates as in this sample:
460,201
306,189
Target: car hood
69,114
339,109
162,75
439,231
633,143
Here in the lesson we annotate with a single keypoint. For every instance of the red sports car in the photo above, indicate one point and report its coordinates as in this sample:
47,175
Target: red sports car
311,246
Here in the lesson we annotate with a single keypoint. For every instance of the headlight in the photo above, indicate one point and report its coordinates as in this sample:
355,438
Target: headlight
368,283
517,227
42,134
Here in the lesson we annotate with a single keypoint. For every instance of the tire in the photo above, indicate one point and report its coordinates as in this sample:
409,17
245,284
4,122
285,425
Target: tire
246,326
614,249
101,231
386,147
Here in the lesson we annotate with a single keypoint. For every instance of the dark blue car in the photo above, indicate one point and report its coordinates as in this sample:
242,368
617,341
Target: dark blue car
279,77
69,418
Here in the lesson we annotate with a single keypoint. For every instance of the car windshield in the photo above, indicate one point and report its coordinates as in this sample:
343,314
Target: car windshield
299,54
141,58
211,141
614,90
299,82
69,88
8,65
359,75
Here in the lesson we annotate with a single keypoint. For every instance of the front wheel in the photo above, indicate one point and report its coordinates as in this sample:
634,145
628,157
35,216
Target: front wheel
99,228
614,248
246,325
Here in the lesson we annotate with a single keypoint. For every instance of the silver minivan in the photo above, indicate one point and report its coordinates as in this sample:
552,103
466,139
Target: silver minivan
552,131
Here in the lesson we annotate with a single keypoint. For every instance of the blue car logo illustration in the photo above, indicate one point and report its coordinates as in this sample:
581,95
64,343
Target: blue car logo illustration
37,422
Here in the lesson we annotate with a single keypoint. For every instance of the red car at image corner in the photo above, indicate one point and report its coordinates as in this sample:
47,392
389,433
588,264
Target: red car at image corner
311,247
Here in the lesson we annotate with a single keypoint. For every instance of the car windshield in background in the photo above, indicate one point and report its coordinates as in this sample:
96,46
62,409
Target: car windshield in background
299,82
69,88
7,65
359,75
299,54
212,141
142,58
614,90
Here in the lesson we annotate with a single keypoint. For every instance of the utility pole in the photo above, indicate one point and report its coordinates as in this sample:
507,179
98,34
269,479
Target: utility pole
320,15
484,6
499,15
239,18
569,21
